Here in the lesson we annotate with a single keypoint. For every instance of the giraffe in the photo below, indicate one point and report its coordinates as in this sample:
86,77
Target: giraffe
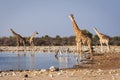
18,37
103,39
31,41
81,38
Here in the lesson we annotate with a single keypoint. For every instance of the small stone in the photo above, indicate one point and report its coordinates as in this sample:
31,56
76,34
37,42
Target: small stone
26,76
34,74
59,73
13,74
99,63
4,74
52,68
72,73
24,79
51,75
113,78
100,70
117,74
43,70
110,72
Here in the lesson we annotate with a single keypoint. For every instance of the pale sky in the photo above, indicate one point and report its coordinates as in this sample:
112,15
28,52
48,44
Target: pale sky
50,17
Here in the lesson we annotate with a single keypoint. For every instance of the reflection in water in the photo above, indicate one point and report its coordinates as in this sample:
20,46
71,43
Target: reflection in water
83,59
62,60
32,60
21,53
77,58
21,61
32,63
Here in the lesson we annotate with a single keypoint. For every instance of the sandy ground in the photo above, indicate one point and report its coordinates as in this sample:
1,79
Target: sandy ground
66,75
105,66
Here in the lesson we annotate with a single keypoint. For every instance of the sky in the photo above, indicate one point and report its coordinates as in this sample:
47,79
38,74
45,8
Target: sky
50,17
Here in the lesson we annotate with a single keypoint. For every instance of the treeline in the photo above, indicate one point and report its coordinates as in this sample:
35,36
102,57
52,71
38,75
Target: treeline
57,41
40,41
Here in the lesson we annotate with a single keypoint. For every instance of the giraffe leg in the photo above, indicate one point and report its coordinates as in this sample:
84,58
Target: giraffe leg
24,46
32,45
91,51
80,50
18,44
77,52
108,47
89,43
77,55
101,46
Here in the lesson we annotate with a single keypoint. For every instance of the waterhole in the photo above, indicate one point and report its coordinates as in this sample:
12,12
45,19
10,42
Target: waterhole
35,61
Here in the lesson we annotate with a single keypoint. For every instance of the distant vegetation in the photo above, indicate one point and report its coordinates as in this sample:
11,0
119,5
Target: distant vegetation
57,41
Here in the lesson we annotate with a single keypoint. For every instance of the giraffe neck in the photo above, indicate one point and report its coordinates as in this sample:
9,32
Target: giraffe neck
31,38
13,32
75,26
33,35
16,35
97,32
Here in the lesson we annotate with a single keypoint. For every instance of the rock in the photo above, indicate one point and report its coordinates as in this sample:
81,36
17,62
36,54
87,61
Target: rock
52,68
4,74
72,73
51,75
43,70
26,75
113,78
110,72
59,73
13,74
117,74
100,70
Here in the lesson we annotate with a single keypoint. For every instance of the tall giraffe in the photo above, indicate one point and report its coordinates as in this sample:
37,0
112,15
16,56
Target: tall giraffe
31,41
81,38
18,37
103,39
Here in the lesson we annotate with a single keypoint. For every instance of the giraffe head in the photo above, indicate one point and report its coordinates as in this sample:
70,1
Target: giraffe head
36,33
71,16
10,29
94,28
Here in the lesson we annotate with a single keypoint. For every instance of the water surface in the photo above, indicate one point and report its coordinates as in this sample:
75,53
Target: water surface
30,61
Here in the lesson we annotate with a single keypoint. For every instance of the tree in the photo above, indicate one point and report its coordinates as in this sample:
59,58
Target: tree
58,37
95,40
115,41
86,32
